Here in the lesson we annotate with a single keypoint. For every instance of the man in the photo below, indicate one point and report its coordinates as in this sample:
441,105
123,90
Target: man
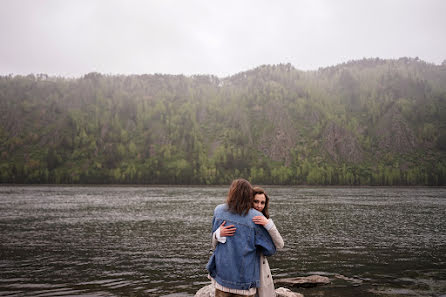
234,266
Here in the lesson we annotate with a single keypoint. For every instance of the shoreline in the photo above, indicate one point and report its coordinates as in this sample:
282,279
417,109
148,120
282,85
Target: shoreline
222,185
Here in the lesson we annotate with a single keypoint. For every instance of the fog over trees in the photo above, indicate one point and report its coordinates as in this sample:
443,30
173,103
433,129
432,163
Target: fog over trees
365,122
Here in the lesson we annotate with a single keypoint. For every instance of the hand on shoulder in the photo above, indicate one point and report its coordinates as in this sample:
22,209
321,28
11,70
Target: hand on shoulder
260,220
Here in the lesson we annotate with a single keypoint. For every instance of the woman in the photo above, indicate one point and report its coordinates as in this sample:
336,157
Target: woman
260,203
234,266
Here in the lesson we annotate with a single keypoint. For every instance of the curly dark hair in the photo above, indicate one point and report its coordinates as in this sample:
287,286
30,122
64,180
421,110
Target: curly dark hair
240,197
258,190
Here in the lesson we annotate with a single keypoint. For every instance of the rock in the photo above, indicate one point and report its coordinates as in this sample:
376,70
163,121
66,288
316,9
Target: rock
209,291
307,281
349,279
284,292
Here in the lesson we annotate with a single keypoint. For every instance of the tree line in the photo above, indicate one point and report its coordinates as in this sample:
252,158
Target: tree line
366,122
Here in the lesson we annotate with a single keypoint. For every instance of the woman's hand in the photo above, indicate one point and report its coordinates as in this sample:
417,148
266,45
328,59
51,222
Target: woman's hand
228,230
260,220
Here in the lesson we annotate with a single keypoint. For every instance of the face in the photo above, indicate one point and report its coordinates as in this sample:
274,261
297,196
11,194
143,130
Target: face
259,202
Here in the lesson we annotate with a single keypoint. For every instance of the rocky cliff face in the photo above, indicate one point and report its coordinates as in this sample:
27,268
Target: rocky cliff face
393,133
278,143
341,144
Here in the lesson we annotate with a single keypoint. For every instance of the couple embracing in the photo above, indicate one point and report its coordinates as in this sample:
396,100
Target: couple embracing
238,266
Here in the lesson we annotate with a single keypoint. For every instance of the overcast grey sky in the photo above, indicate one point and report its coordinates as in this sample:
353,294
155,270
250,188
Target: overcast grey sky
74,37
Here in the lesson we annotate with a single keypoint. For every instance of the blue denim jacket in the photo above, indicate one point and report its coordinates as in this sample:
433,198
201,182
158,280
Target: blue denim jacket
236,263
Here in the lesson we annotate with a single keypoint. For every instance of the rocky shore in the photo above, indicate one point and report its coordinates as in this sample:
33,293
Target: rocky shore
209,291
307,282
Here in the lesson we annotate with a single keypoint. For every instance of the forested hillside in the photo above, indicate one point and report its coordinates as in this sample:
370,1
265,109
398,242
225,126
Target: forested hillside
366,122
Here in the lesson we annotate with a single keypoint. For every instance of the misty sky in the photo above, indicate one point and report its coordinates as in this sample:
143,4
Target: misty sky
75,37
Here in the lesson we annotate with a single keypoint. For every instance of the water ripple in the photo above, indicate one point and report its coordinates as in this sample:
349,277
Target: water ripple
155,241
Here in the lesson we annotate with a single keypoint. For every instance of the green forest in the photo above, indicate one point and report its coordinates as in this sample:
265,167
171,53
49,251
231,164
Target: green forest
365,122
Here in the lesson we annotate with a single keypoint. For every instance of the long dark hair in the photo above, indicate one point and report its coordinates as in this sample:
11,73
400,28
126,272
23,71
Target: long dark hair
258,190
240,196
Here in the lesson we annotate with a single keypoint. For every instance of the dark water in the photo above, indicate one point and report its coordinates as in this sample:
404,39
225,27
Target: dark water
154,241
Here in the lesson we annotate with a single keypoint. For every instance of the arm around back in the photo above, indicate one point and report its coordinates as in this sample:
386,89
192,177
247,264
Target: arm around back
264,240
275,235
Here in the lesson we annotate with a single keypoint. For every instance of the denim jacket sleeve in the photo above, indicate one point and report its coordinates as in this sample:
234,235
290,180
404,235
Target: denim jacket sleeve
264,241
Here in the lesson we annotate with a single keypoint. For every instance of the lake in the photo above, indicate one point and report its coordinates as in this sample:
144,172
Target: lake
155,241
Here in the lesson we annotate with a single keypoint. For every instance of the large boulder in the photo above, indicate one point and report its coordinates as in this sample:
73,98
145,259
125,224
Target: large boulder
307,281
